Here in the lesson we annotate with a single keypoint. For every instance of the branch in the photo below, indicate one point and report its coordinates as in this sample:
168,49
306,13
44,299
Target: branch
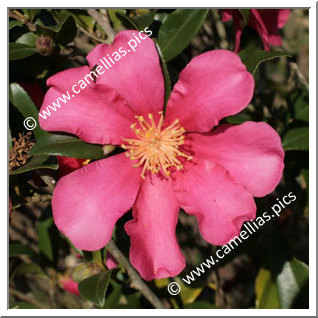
15,14
136,281
103,21
294,67
91,35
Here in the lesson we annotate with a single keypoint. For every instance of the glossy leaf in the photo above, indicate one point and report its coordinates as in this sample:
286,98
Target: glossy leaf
48,238
94,288
22,305
296,139
62,33
246,15
300,104
37,162
114,19
68,146
178,30
14,23
28,38
252,57
17,249
239,118
126,21
188,294
27,268
31,13
112,298
20,99
144,20
292,281
166,76
18,51
266,291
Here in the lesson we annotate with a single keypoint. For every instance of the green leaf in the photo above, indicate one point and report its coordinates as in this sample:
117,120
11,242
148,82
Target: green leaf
114,19
291,282
17,249
48,238
62,33
300,103
20,99
38,162
246,15
127,22
22,305
161,17
27,268
266,291
94,288
166,76
252,57
28,39
144,20
18,51
14,23
296,139
112,299
178,30
31,13
188,294
68,146
239,118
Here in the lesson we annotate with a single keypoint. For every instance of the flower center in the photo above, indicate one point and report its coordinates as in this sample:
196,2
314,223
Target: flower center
155,148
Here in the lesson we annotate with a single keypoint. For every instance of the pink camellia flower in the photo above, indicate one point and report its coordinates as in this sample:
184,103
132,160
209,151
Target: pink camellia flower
170,161
266,22
68,164
68,284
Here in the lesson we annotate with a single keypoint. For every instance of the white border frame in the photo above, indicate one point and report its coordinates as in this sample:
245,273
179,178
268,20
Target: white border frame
312,164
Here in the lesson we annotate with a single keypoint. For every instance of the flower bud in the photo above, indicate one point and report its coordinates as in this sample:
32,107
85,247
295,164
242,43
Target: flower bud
44,45
84,270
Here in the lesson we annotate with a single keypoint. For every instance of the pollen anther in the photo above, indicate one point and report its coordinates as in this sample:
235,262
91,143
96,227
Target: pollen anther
155,148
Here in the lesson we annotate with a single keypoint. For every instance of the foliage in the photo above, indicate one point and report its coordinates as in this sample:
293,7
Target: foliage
269,271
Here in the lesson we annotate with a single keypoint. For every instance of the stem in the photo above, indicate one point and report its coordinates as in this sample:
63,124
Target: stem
91,35
103,21
136,281
294,67
15,14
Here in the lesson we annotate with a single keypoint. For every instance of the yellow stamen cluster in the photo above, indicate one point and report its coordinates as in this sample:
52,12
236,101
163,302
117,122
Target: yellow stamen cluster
156,148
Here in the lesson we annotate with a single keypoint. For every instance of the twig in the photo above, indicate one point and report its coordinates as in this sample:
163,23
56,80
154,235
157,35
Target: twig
15,14
27,299
91,35
103,21
136,281
294,67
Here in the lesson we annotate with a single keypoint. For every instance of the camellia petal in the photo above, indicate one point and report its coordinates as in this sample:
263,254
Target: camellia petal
251,152
227,15
136,73
97,114
258,24
220,204
88,202
274,20
213,85
154,250
266,22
